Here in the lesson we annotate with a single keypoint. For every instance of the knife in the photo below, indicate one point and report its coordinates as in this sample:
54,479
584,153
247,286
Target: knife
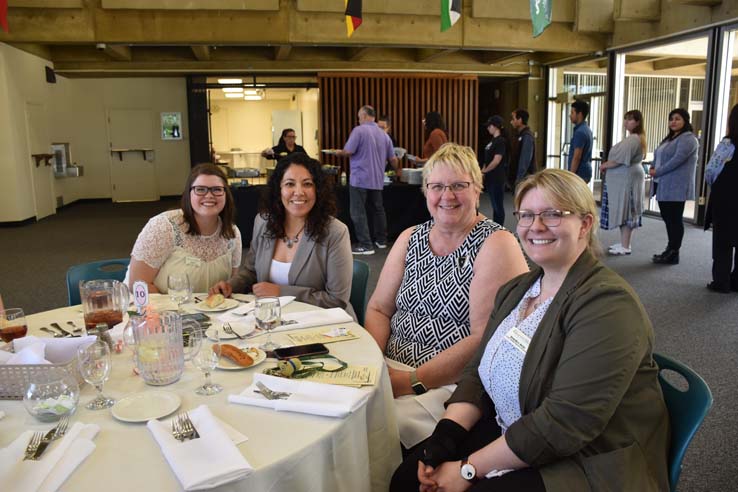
48,437
62,330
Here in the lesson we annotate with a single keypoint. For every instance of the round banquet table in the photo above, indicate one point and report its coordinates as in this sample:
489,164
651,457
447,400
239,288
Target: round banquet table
288,451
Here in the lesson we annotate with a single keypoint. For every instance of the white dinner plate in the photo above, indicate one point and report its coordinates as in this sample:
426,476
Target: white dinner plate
144,406
223,306
329,151
255,352
243,328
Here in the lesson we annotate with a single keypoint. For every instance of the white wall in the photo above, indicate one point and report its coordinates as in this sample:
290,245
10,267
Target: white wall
308,103
77,113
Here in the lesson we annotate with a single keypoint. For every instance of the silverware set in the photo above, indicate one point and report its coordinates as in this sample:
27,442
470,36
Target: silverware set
62,332
183,428
227,329
40,441
270,394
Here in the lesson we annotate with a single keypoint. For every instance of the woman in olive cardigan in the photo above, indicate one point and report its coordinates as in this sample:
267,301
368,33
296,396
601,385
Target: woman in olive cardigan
563,392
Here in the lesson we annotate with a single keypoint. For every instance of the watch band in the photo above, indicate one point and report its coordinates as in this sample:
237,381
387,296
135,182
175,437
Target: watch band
418,387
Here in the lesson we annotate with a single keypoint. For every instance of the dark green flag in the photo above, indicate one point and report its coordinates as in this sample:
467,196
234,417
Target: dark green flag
540,15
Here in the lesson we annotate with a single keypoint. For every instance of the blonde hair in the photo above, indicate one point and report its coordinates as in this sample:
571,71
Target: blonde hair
460,158
566,191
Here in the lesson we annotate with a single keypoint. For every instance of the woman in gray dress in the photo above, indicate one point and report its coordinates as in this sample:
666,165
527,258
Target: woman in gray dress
625,180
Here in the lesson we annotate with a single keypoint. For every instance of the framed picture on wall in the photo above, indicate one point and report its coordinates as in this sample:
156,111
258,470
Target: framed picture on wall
171,126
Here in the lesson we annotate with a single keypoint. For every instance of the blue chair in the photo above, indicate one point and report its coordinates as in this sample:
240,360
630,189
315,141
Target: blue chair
687,410
359,281
96,270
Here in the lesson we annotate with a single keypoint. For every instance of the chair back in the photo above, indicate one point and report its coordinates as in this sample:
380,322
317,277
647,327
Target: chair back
95,270
687,410
359,282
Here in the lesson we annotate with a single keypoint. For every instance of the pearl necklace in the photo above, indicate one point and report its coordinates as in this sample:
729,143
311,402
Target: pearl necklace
291,241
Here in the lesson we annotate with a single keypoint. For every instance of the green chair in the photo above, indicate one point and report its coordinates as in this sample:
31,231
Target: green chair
359,282
96,270
687,410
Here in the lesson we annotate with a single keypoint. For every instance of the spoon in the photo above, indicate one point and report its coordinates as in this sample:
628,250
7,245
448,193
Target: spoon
74,327
51,332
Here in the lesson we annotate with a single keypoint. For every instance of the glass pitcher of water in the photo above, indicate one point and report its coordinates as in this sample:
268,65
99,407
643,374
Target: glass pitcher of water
163,341
103,301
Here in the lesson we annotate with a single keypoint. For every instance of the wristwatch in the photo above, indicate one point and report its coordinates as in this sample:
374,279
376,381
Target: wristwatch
418,387
468,472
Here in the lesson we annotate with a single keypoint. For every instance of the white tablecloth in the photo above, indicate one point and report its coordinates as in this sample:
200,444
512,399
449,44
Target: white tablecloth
289,451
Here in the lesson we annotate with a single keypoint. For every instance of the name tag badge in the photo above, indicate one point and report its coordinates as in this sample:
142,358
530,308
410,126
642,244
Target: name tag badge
193,261
518,339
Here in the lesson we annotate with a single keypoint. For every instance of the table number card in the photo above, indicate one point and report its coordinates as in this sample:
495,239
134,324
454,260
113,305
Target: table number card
321,335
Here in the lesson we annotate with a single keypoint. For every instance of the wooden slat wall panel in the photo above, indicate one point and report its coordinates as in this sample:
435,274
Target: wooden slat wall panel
406,98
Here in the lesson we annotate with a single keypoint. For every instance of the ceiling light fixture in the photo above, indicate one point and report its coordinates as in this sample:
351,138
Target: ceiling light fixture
233,94
232,89
251,92
229,81
253,98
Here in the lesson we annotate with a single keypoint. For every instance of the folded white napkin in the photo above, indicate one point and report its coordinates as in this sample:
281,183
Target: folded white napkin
317,317
57,463
57,350
32,354
237,313
207,462
307,397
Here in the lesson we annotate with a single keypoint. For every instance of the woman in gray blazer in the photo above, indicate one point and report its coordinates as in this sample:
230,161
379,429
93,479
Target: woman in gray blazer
298,248
673,170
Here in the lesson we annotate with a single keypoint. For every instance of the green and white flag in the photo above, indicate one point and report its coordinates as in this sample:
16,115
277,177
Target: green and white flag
540,15
450,13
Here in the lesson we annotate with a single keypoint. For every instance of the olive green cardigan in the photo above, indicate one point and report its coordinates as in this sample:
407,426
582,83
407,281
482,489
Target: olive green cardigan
593,416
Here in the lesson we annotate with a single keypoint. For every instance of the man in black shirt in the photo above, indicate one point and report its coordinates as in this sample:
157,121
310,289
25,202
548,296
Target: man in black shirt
494,167
526,162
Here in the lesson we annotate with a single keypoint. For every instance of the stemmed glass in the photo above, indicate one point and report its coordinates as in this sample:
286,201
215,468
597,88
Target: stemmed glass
94,364
207,359
12,324
179,288
268,314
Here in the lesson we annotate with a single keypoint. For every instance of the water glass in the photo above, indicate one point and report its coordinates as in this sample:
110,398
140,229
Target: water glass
207,359
179,288
95,364
268,314
12,324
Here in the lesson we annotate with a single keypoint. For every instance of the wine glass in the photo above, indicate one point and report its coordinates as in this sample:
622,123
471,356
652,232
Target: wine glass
12,324
268,314
94,364
179,288
206,359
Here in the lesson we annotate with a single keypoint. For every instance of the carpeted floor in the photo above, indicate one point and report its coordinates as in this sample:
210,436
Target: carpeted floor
692,324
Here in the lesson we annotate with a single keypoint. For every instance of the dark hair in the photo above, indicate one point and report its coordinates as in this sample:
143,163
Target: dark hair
522,114
284,134
386,118
369,111
272,210
434,120
582,107
636,115
733,125
687,125
227,215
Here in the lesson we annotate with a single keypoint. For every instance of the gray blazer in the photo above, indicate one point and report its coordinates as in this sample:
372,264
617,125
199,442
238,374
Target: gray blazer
320,273
676,162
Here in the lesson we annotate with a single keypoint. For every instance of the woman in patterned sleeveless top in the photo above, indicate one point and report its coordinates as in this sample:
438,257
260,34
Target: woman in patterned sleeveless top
436,290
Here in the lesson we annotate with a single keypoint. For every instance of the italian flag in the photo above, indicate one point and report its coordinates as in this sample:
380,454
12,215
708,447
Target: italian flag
450,13
353,15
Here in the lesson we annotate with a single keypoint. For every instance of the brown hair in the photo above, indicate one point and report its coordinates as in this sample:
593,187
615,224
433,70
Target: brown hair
227,215
636,115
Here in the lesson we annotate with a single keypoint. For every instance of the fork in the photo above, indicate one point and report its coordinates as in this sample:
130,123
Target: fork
61,428
33,445
188,428
270,394
230,331
177,430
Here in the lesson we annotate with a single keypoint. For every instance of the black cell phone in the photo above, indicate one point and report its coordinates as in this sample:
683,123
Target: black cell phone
300,350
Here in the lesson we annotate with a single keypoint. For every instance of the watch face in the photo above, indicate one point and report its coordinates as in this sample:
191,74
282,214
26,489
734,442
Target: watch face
468,471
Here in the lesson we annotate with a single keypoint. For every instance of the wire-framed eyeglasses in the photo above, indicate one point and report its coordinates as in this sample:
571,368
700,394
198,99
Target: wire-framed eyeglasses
550,218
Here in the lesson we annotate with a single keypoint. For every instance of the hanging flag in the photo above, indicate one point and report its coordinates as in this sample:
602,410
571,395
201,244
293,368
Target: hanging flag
353,16
450,13
4,15
540,15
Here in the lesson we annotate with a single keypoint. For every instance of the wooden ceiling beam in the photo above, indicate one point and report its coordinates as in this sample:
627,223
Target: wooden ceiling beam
201,52
424,55
356,53
670,63
117,52
282,52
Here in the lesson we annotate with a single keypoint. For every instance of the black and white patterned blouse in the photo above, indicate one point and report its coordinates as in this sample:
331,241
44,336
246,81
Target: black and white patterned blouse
433,300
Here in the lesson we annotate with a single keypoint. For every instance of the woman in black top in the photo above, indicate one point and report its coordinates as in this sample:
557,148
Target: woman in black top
286,146
494,167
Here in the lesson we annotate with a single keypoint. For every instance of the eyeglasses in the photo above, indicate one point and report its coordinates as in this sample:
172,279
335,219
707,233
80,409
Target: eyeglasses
439,188
203,190
550,218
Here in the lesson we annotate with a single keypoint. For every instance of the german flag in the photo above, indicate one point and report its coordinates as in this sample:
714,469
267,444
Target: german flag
353,16
4,15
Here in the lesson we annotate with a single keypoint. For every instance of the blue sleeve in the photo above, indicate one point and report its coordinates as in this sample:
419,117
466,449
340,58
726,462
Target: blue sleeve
352,144
578,141
390,149
686,147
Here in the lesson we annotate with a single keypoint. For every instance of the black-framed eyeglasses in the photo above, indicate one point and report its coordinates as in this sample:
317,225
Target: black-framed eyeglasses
550,218
439,188
203,190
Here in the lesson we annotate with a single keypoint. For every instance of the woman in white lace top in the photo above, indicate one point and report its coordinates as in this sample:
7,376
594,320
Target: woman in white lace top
200,239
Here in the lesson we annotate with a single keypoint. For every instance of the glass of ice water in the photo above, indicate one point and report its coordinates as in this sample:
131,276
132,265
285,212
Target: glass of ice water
268,314
179,288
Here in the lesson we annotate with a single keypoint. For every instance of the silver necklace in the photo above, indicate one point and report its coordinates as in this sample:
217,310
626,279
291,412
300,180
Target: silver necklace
291,241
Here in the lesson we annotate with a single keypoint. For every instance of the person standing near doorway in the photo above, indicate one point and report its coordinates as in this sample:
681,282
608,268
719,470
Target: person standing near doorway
580,149
494,168
526,157
368,148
